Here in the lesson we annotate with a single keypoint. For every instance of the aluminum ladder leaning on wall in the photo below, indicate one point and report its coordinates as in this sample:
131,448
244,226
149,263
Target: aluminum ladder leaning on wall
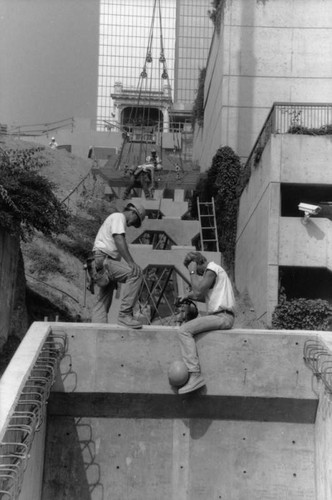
208,225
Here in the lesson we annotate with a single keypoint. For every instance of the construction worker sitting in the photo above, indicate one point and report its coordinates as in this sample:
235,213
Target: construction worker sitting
153,158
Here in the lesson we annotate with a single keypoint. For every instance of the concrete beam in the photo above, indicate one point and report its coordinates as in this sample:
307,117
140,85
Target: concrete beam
166,406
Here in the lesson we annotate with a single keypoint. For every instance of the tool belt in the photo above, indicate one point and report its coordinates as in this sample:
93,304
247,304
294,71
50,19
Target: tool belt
96,272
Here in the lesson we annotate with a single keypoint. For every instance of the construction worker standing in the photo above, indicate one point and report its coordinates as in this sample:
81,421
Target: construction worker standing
110,247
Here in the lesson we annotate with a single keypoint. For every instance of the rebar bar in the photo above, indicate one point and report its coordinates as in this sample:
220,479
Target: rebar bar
28,415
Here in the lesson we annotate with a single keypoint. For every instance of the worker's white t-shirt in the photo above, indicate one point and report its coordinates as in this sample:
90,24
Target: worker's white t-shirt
221,296
113,224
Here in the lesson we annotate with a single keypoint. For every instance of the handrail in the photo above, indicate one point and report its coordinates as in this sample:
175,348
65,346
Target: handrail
39,129
298,115
260,135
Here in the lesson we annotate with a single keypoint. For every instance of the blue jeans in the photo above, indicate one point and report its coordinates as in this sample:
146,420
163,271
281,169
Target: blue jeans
118,271
187,331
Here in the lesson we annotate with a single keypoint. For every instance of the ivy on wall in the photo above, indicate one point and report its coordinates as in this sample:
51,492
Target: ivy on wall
198,107
27,200
216,14
222,182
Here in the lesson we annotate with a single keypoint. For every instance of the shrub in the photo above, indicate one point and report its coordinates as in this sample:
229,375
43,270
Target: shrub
302,314
299,129
216,14
27,200
45,263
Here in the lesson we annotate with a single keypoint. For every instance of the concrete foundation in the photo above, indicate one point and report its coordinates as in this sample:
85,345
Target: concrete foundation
116,429
148,458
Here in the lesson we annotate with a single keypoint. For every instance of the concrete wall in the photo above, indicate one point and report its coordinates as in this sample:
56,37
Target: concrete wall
264,239
303,159
267,51
12,383
32,484
256,255
323,442
115,425
305,245
177,459
241,363
116,428
9,257
323,428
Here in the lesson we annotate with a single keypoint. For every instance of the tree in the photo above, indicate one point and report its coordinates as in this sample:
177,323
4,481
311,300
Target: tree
27,199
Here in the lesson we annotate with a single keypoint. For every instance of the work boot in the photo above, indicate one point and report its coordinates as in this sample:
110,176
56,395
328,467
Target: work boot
130,321
195,382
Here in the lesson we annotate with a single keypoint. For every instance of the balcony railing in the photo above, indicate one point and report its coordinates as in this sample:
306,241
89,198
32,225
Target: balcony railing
291,118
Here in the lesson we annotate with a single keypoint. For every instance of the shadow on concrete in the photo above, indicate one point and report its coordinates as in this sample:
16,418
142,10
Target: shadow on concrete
70,467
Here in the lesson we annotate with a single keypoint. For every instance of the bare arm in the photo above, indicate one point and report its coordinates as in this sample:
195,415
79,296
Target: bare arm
200,286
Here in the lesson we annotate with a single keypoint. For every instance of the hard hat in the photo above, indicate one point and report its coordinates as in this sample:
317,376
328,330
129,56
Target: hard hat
138,208
53,138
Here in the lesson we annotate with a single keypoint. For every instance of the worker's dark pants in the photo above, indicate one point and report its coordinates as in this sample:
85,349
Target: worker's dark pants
142,181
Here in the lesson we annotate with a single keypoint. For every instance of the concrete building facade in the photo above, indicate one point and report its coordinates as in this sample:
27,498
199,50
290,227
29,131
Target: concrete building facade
269,75
279,248
171,36
267,51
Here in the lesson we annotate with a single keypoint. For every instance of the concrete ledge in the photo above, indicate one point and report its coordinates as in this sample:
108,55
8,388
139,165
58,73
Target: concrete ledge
237,363
18,370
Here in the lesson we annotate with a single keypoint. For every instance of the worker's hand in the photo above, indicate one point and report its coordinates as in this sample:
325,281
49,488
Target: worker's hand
137,271
192,266
178,301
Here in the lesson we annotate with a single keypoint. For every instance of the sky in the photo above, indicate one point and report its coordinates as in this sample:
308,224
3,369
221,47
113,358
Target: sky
48,60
